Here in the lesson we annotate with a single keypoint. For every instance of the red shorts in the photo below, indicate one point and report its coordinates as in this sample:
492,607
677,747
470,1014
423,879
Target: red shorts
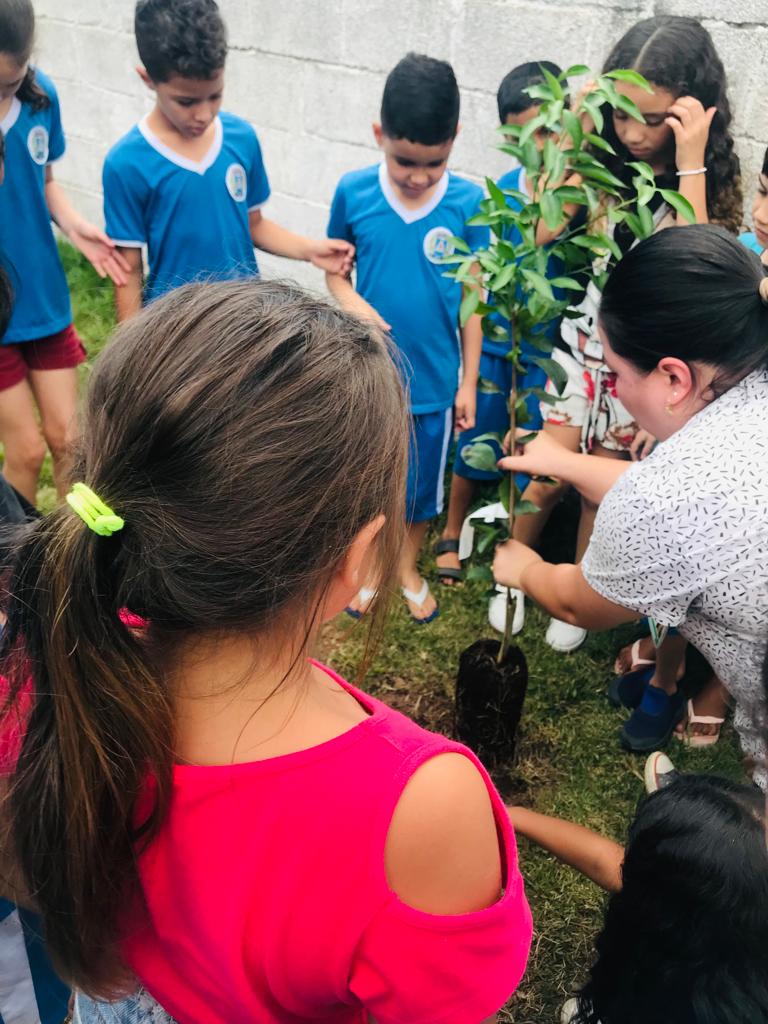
60,351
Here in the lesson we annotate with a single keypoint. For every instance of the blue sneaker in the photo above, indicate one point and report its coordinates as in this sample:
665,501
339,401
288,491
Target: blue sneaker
627,691
652,723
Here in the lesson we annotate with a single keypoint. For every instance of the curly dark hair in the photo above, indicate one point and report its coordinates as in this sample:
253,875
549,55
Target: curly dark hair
684,941
17,34
677,54
180,37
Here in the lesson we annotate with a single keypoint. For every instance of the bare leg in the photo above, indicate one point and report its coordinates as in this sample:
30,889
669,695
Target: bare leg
588,508
670,658
459,500
546,496
712,702
56,394
20,434
410,577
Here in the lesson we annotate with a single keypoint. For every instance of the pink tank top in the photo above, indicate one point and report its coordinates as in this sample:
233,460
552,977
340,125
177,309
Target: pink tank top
267,899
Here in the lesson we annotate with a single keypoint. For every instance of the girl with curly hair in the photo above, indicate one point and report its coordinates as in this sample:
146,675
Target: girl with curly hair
686,139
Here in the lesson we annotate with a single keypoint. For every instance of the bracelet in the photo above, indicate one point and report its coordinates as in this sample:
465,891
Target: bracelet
699,170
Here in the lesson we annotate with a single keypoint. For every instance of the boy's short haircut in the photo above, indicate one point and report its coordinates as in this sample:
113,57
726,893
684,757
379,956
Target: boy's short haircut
421,101
511,97
187,38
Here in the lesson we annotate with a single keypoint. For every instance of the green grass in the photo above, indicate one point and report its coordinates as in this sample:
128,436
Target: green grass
569,760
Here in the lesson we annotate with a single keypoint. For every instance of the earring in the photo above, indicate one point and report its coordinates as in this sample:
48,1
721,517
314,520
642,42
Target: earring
669,410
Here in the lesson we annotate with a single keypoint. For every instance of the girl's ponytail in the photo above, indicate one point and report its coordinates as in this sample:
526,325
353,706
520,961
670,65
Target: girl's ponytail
100,725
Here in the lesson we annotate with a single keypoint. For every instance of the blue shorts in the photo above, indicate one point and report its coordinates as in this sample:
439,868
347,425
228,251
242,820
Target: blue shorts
29,989
492,415
427,457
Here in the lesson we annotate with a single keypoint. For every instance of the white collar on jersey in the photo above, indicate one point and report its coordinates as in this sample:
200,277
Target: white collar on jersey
12,116
404,212
198,166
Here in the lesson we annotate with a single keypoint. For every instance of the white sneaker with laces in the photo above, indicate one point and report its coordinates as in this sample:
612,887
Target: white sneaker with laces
497,610
563,637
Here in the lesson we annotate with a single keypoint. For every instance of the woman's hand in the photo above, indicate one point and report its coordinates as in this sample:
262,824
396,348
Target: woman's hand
99,250
510,562
690,123
543,456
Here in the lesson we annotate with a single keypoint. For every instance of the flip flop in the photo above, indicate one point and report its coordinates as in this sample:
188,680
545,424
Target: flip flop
448,547
418,598
696,739
365,595
636,661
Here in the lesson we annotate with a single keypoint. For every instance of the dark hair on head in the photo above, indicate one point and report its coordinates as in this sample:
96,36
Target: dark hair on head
677,54
246,432
764,168
187,38
691,292
511,97
420,101
684,941
17,34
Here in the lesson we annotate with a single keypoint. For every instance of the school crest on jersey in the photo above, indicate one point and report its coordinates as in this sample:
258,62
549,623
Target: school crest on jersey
438,245
37,144
237,182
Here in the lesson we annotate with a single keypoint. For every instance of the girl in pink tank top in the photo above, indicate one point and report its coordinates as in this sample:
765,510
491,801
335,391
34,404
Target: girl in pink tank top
216,828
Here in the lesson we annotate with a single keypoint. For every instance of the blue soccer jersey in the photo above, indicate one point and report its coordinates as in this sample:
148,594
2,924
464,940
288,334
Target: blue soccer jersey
33,139
400,273
191,215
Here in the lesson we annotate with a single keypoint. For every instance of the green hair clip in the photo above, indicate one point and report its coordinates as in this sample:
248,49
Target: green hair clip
95,514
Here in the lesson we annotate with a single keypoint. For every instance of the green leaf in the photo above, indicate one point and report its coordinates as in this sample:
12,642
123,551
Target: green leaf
644,170
479,574
602,175
553,83
540,284
645,194
480,456
527,438
469,305
492,435
566,282
531,127
646,221
553,370
575,71
572,125
544,396
595,113
599,143
525,507
459,244
503,277
679,203
633,77
551,209
487,387
495,193
625,103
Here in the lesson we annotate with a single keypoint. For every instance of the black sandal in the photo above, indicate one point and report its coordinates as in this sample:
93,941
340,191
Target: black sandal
445,547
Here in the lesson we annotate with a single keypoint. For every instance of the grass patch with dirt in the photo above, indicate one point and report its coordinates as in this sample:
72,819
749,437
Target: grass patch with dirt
569,761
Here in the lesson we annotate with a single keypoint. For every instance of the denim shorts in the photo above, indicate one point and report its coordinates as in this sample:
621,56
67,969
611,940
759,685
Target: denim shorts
140,1008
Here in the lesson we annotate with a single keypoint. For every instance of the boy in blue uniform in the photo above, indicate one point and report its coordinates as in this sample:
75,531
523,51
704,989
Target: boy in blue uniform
401,216
515,107
189,182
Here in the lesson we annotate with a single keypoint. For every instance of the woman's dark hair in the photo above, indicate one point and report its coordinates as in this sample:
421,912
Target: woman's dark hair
511,97
180,37
246,432
684,941
17,34
677,54
691,292
420,101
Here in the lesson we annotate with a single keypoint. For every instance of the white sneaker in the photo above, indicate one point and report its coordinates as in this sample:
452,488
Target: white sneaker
497,610
563,637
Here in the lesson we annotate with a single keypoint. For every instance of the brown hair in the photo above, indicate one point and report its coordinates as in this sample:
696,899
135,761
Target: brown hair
17,34
245,432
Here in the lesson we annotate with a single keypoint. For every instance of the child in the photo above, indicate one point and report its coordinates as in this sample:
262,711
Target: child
401,216
40,348
757,239
686,925
686,139
195,802
515,107
188,181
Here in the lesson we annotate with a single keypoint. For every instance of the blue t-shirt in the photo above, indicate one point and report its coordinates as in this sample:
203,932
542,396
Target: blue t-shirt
515,180
33,139
749,238
399,271
191,215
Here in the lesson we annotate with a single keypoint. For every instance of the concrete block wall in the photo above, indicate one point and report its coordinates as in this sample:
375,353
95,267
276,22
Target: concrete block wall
309,75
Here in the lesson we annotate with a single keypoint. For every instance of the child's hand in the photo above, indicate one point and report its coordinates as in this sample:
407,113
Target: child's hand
642,445
465,404
334,255
690,122
100,251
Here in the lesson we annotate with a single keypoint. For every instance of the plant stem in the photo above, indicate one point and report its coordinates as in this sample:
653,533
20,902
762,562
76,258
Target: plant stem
509,617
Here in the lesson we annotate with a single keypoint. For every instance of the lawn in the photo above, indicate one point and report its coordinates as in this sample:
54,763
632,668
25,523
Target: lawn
569,760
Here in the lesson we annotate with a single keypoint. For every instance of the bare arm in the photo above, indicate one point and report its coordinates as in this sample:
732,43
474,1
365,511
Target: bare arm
128,296
598,858
333,255
342,289
471,347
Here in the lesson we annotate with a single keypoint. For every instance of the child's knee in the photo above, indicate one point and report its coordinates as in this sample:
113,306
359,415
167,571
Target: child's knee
59,439
25,454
